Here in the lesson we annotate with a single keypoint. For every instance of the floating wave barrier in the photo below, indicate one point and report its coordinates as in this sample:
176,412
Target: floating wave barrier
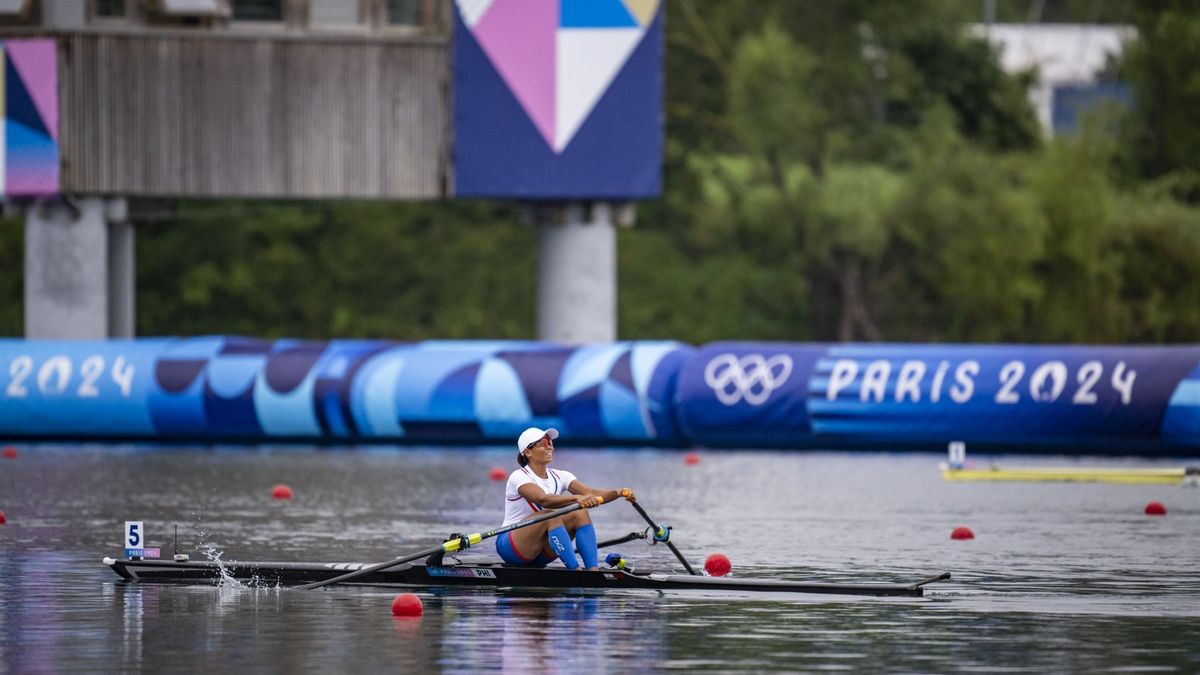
727,394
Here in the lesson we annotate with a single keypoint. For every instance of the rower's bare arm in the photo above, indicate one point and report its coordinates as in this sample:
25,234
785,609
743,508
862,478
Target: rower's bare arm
577,487
545,500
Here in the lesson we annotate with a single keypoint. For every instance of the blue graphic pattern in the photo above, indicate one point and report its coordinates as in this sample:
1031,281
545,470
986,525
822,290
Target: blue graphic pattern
731,394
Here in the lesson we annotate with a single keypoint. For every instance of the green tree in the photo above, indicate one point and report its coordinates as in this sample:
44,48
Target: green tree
1163,65
328,269
969,234
1160,242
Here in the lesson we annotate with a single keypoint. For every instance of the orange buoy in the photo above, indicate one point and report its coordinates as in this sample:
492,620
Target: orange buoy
497,473
717,565
691,459
407,604
10,452
281,491
962,532
1156,508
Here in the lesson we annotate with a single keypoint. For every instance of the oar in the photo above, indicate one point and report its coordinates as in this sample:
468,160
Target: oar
621,540
663,534
447,547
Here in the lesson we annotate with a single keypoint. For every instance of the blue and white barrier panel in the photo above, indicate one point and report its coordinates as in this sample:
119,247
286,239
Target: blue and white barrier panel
779,394
212,388
732,394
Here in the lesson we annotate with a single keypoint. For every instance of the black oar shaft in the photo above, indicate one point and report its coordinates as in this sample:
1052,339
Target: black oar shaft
621,540
448,547
671,546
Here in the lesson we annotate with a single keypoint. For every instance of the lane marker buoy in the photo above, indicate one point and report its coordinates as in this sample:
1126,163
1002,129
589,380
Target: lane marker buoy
962,532
1156,508
691,459
717,565
497,473
281,491
407,604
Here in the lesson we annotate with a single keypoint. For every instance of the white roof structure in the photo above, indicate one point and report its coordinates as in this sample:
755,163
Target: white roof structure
1061,53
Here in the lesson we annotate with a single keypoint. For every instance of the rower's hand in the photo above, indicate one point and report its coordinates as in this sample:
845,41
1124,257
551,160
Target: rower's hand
589,501
627,493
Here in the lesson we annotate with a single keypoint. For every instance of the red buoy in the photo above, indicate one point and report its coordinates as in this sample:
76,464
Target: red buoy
407,604
1156,509
10,452
3,520
717,565
962,532
281,491
691,459
497,473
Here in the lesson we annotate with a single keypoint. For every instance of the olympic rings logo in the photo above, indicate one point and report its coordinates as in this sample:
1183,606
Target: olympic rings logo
751,377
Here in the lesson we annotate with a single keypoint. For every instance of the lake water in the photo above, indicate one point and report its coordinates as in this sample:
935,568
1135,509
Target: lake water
1059,577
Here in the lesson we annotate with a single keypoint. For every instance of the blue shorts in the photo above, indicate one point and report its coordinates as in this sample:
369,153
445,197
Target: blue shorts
509,554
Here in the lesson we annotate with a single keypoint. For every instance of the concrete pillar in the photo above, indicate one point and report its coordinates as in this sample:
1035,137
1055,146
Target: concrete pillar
122,315
78,270
577,272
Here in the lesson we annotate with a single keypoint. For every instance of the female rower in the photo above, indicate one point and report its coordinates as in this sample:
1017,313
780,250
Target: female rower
535,486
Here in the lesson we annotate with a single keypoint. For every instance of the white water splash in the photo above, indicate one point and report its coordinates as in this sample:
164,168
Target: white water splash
226,580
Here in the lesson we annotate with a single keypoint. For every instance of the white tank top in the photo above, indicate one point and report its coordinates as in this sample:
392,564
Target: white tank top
516,507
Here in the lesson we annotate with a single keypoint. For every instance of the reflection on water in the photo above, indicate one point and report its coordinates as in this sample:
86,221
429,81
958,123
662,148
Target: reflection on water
1059,578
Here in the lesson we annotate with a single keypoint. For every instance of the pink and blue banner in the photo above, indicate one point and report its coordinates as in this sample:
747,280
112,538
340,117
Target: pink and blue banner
558,99
29,158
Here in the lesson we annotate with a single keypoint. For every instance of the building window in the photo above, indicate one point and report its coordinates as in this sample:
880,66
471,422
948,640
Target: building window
334,13
404,12
258,10
186,10
110,8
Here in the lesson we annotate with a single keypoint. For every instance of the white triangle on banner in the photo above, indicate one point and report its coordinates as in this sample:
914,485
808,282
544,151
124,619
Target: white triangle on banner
588,61
472,10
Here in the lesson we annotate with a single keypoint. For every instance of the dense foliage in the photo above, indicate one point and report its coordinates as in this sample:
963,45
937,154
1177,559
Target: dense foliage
848,170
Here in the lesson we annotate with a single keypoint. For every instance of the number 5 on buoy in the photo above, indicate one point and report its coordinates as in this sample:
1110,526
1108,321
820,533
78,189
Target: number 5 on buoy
135,539
133,534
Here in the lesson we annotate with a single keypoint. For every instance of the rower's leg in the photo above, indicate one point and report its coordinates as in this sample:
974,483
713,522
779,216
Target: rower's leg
560,545
553,535
585,541
579,524
575,520
529,541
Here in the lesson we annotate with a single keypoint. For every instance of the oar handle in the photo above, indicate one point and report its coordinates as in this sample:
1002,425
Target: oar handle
447,547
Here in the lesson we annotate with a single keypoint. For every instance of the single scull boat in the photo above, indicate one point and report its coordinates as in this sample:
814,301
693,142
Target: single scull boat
489,574
409,570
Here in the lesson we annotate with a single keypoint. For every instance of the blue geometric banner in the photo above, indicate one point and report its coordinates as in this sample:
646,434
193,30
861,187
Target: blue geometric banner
726,394
436,391
557,99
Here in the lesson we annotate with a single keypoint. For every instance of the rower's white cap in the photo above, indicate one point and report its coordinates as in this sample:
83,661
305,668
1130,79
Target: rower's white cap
533,435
